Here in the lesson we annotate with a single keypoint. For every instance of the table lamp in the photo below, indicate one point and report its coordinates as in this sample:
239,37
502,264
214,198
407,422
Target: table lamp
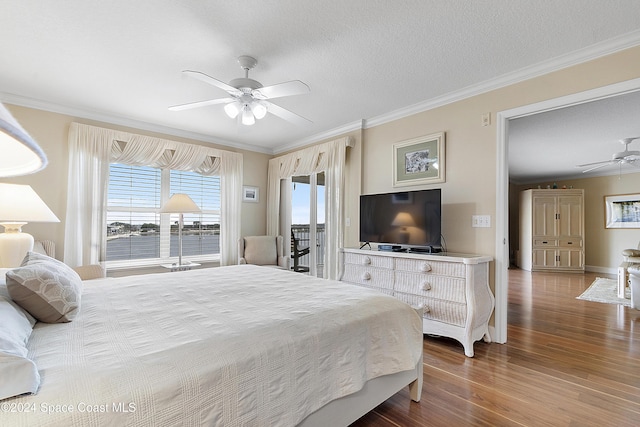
21,155
180,203
19,204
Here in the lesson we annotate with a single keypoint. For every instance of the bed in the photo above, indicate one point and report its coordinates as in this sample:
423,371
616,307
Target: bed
230,346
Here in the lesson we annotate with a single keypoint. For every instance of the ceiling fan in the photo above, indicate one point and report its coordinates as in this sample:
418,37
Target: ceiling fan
626,157
248,99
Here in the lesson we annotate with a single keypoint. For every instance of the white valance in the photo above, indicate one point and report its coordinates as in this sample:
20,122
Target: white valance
92,149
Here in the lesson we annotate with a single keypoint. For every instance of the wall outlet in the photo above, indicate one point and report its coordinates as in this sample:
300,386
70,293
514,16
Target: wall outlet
481,221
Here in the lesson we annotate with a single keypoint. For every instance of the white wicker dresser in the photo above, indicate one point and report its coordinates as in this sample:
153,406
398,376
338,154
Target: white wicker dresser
452,289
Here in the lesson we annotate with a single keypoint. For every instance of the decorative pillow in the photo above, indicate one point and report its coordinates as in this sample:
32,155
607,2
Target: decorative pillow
47,288
260,250
19,374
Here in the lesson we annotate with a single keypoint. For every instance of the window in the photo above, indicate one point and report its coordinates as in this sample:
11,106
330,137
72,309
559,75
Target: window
137,234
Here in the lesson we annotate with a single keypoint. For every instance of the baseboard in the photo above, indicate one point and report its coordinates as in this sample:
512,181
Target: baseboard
601,270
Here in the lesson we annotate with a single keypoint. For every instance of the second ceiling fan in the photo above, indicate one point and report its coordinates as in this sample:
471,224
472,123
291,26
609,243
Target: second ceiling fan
248,100
630,157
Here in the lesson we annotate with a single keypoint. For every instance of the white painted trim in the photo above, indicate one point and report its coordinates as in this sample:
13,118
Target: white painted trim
339,131
589,53
502,184
595,51
123,121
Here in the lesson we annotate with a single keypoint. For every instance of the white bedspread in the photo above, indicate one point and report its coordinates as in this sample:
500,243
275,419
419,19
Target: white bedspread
232,346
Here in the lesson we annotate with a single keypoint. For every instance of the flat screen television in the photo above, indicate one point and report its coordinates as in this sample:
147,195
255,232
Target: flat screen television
410,219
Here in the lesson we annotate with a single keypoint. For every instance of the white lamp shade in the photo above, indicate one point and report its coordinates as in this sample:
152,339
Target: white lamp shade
247,116
19,203
19,153
232,109
259,110
180,203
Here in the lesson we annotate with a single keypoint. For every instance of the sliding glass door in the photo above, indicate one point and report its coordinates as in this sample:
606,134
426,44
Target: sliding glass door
308,224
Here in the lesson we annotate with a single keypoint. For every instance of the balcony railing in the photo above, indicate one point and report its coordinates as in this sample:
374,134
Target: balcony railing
302,233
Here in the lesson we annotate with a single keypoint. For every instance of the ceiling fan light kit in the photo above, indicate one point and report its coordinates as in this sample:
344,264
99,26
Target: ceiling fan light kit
248,98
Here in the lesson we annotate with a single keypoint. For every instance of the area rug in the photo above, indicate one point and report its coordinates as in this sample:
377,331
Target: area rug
606,290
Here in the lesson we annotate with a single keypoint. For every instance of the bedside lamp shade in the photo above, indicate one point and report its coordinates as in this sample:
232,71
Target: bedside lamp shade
19,153
19,204
180,203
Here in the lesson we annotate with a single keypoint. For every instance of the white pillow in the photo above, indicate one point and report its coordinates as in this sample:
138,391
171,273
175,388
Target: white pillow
47,288
19,374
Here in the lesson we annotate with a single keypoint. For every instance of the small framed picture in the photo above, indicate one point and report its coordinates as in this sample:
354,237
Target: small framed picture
419,161
250,194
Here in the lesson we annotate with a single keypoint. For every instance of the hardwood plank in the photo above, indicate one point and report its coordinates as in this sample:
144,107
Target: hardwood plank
567,362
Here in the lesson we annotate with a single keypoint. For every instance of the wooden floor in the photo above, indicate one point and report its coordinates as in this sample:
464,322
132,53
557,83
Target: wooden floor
567,362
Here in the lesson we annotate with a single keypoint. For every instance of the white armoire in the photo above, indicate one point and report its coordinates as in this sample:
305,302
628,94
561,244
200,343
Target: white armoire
552,230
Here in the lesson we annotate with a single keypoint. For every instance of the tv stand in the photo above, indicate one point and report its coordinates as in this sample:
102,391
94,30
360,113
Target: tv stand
453,289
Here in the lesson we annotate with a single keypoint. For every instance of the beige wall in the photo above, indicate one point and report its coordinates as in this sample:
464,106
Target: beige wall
603,246
470,187
50,130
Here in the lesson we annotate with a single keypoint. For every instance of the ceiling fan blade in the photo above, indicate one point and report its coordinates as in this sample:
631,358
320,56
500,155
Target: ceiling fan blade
287,115
200,104
215,82
294,87
598,166
597,163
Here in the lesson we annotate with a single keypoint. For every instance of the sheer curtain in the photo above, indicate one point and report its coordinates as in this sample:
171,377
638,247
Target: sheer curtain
329,158
92,148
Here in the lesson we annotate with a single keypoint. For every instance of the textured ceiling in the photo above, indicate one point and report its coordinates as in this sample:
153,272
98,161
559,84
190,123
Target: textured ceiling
120,61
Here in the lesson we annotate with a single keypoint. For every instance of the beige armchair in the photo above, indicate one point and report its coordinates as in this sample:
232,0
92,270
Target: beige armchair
86,272
262,250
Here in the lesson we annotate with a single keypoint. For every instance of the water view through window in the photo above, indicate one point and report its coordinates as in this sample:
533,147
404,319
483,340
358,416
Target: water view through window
135,230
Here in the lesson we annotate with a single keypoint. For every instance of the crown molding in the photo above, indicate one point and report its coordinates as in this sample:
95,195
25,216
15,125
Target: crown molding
332,133
579,56
123,121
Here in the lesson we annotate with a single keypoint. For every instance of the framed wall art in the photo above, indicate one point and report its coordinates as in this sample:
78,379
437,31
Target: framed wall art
419,161
622,211
250,194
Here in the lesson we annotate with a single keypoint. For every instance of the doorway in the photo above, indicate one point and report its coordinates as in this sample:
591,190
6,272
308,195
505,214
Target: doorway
502,184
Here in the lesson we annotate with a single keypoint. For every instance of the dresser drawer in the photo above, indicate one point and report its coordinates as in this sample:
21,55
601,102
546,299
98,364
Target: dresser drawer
431,286
370,277
435,309
434,267
571,242
545,242
368,260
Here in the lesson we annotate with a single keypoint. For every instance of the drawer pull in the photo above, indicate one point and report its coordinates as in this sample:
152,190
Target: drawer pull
425,268
366,276
569,243
426,286
544,242
366,260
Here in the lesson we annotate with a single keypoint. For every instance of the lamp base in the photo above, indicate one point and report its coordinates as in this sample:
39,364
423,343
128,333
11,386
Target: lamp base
14,245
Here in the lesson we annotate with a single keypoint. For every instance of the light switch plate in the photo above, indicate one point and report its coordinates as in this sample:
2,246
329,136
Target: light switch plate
481,221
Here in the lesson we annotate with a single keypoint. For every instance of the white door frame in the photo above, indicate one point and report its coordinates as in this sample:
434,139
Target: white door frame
502,184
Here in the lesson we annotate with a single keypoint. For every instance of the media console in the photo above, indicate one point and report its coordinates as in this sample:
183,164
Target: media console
452,289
